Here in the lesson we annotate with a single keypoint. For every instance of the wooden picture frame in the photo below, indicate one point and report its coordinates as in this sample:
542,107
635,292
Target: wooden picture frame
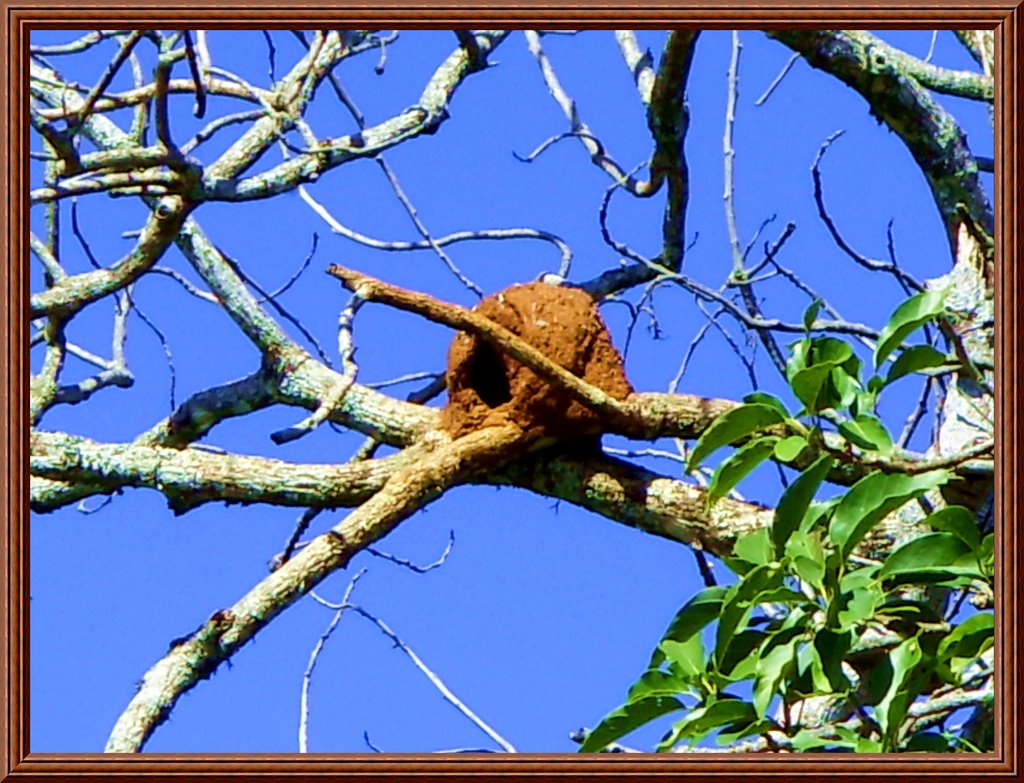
1004,16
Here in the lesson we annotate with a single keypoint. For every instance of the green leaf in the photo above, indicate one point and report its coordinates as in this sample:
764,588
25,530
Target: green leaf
798,354
805,740
741,729
893,707
811,313
741,670
695,614
911,315
810,385
763,398
739,602
779,595
816,670
788,449
810,571
969,639
987,555
859,605
775,661
903,613
914,359
818,511
703,720
754,547
872,498
961,575
825,375
863,403
859,578
867,432
807,555
868,745
824,353
832,647
927,553
738,465
927,742
655,682
796,500
627,718
846,387
739,649
960,522
829,350
669,741
687,657
731,427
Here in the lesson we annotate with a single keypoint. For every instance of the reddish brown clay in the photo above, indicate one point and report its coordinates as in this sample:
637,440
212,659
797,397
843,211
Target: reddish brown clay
487,387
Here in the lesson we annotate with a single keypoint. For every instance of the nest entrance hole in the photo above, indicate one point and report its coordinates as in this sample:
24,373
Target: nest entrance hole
487,376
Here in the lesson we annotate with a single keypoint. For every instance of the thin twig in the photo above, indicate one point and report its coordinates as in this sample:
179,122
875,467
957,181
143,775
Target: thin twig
931,47
915,417
207,132
164,345
409,378
185,283
448,239
545,145
708,294
435,680
410,209
869,263
704,567
606,235
747,363
199,110
301,526
596,150
108,76
705,327
417,569
738,254
777,80
307,675
297,274
346,349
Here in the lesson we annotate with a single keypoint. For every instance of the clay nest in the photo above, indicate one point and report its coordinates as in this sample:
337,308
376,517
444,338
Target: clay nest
487,387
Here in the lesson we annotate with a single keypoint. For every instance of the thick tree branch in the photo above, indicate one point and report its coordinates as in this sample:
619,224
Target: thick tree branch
70,294
423,118
389,420
931,134
637,497
668,119
190,477
198,656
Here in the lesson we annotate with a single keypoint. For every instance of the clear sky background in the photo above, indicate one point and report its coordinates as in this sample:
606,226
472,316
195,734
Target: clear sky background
543,614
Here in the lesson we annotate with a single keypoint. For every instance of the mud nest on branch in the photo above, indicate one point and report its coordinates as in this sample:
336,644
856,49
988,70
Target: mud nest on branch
487,387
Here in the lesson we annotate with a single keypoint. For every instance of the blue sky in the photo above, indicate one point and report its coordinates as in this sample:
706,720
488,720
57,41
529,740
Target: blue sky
542,616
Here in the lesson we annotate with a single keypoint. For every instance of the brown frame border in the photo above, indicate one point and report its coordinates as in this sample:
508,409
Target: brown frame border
20,16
